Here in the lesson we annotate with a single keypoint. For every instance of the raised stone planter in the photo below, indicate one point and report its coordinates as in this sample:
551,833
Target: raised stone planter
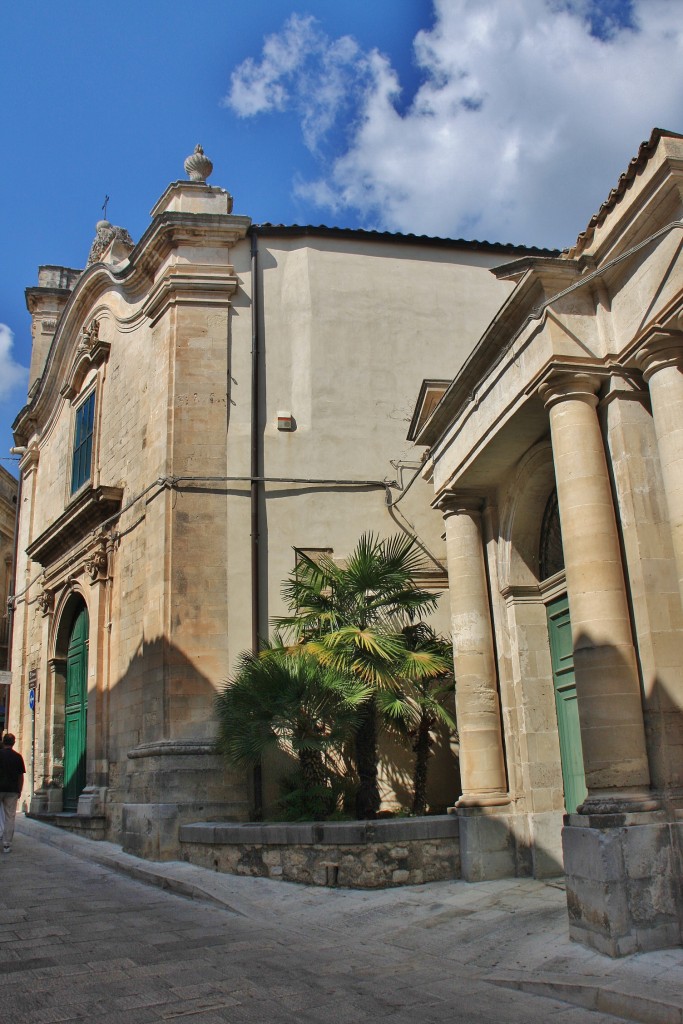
355,854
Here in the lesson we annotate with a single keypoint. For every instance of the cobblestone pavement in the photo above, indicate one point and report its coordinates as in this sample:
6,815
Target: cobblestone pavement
83,942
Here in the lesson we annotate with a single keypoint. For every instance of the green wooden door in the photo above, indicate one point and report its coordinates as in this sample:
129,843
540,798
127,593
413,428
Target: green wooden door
75,711
562,654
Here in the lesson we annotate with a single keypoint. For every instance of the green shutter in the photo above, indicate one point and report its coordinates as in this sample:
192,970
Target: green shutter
562,655
82,454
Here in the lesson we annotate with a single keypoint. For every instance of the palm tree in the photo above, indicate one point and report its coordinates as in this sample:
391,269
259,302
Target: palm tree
429,693
282,698
350,618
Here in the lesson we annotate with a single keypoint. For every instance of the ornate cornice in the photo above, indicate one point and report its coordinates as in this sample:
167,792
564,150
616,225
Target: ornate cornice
133,280
81,517
91,353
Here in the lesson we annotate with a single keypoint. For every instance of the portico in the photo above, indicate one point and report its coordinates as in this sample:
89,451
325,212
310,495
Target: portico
562,436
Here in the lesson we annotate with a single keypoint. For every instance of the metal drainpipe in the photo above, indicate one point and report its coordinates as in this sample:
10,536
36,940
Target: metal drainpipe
254,489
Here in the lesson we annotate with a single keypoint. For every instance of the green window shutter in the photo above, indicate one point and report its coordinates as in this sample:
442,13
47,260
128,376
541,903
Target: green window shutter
82,454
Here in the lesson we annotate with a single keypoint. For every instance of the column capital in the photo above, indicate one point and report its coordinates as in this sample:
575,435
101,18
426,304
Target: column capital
662,347
454,504
566,385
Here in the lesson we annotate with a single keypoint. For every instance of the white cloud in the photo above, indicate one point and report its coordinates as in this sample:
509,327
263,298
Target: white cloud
12,374
303,69
528,112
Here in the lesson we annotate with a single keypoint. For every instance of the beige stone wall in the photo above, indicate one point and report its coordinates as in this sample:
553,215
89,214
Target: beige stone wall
348,326
8,509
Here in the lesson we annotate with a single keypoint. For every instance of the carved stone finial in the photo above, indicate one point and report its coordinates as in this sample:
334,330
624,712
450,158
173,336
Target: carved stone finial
106,232
198,167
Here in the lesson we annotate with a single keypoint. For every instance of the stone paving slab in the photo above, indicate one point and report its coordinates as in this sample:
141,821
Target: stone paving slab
81,943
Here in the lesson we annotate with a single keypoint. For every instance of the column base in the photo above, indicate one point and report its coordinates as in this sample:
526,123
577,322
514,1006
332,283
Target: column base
623,875
172,783
47,800
498,799
622,802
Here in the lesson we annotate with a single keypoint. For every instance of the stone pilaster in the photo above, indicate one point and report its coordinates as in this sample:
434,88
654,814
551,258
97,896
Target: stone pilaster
661,359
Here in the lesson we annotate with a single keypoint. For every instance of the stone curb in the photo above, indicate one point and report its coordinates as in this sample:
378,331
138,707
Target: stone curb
333,833
593,996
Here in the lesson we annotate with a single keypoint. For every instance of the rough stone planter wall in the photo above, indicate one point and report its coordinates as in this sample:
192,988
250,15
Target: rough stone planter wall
355,854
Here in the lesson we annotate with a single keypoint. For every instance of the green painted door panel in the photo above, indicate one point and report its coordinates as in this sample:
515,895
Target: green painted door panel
562,655
75,711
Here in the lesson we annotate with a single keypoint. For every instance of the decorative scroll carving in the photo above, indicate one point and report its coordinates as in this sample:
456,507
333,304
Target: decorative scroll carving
46,601
91,352
89,337
97,565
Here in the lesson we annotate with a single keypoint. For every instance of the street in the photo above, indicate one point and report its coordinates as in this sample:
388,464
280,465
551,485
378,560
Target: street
82,942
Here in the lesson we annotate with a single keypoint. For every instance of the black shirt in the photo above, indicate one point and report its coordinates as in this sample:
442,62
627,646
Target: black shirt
11,768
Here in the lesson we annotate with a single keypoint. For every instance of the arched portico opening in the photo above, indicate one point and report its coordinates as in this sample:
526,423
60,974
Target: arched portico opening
530,568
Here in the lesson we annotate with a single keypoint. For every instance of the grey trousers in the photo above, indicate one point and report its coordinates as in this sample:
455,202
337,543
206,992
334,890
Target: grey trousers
9,802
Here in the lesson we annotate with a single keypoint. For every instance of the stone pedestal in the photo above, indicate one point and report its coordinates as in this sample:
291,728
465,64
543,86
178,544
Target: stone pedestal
623,881
172,783
91,802
47,800
493,844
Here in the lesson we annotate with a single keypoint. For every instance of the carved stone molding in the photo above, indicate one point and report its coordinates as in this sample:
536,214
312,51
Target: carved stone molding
89,337
662,348
91,352
46,601
97,565
453,503
564,385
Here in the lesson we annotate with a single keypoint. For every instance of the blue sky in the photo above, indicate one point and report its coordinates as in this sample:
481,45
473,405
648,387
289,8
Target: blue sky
505,120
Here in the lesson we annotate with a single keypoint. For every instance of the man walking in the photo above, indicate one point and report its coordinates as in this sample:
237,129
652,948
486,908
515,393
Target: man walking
12,771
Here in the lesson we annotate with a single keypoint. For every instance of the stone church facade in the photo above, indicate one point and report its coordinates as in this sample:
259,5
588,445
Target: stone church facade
556,456
8,515
202,405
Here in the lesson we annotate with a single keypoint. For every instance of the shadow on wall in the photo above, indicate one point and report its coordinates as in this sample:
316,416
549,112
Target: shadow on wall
396,767
160,711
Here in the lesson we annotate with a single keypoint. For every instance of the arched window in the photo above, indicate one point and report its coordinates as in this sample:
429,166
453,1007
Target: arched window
551,555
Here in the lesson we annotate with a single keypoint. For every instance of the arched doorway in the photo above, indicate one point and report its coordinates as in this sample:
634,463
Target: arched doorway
76,707
551,561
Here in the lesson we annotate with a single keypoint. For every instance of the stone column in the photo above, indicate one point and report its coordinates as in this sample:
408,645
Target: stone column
607,683
661,359
482,765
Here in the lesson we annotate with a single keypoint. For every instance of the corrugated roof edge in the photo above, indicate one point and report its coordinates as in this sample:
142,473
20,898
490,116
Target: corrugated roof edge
462,243
645,151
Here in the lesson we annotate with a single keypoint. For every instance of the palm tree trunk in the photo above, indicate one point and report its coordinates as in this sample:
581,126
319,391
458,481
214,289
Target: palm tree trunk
367,798
423,749
313,773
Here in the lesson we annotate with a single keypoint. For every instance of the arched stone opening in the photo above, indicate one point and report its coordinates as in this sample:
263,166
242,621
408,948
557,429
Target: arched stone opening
65,689
531,575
